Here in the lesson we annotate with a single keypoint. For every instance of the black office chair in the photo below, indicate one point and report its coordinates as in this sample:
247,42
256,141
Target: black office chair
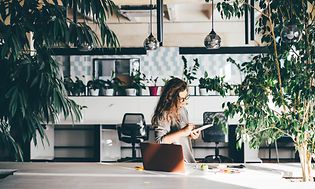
133,130
217,133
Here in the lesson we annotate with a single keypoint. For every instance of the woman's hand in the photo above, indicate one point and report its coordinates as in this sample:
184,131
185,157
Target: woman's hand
187,129
194,134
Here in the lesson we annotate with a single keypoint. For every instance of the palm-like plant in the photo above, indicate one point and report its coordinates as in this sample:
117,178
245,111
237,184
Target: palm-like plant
31,88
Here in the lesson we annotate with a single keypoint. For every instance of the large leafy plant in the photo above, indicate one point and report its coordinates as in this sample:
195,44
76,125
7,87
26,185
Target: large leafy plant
32,92
276,97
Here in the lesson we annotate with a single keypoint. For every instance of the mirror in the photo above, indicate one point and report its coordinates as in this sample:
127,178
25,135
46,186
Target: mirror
103,68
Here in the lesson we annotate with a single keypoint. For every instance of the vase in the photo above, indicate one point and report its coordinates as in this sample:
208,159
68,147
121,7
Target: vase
109,92
153,90
203,92
191,90
213,93
131,92
94,92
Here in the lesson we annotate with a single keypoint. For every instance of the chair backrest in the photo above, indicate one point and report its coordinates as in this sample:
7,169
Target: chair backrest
134,125
218,132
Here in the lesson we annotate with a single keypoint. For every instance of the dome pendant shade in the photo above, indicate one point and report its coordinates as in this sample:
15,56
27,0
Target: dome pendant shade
291,34
212,40
151,43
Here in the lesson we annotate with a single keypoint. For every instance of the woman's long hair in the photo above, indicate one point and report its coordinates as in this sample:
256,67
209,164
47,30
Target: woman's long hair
167,107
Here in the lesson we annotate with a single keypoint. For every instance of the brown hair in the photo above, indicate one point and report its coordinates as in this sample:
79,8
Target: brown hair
167,107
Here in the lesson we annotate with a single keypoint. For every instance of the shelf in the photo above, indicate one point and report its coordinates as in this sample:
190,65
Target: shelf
75,159
75,147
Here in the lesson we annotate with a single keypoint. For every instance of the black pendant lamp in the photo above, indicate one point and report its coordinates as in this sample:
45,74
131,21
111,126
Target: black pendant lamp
212,40
151,43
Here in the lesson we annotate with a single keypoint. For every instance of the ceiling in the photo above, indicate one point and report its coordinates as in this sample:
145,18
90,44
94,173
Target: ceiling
185,23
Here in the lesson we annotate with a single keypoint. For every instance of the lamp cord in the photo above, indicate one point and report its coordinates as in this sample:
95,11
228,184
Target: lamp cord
212,14
150,16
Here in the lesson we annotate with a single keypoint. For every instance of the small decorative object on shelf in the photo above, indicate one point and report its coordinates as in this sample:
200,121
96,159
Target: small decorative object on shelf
76,88
203,84
213,86
95,86
136,83
189,74
152,86
112,85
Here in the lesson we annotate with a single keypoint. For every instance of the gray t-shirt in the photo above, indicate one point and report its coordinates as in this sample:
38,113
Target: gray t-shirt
165,127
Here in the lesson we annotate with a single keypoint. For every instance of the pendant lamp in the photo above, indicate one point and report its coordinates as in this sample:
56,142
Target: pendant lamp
212,40
151,43
291,32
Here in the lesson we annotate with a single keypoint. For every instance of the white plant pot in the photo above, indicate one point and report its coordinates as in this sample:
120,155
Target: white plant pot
131,92
94,92
109,92
203,92
191,90
213,93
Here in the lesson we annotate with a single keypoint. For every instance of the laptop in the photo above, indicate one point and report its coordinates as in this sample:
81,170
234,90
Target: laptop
162,157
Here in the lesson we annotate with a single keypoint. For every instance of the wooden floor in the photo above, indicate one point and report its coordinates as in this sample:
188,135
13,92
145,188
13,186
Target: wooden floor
127,175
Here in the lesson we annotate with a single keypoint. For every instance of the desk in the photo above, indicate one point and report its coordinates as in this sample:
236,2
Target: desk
124,175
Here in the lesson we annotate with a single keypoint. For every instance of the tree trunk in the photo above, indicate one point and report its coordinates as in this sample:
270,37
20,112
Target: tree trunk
305,160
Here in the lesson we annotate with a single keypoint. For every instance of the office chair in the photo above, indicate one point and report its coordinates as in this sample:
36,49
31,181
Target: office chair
133,130
284,140
215,134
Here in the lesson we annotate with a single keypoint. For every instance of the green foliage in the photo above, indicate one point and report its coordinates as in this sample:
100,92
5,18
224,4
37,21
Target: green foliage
276,97
151,80
96,84
76,87
137,80
32,91
189,73
214,84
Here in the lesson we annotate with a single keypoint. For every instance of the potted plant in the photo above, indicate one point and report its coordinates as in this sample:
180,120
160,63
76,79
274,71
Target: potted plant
212,86
78,88
189,73
203,84
95,85
75,88
217,85
111,86
276,97
31,82
152,86
136,84
68,84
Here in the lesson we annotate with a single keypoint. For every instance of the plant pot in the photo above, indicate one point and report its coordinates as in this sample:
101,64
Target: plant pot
131,92
153,90
203,92
213,93
192,90
109,92
94,92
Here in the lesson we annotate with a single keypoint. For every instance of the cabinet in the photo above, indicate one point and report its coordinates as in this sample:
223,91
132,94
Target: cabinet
77,143
94,138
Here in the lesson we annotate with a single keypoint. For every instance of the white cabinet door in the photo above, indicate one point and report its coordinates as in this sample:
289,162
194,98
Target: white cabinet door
44,150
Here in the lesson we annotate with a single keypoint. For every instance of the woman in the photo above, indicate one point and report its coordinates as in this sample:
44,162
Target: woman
170,118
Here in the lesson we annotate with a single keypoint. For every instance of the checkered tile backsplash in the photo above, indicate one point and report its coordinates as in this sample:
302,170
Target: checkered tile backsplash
164,62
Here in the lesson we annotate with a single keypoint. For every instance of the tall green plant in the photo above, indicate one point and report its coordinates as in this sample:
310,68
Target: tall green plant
276,97
189,73
32,92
